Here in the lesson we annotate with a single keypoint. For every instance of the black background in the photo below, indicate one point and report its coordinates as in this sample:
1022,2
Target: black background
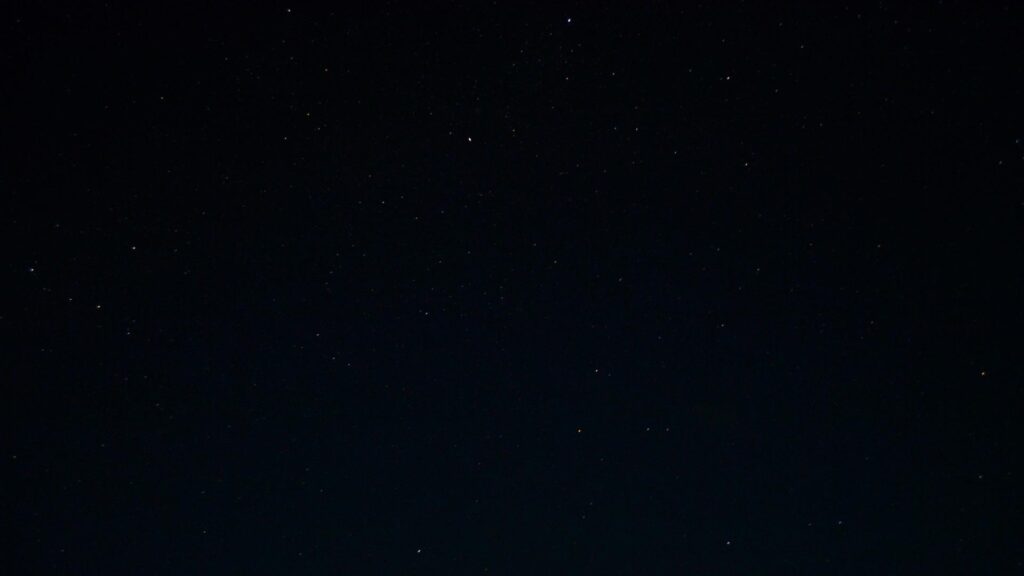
508,289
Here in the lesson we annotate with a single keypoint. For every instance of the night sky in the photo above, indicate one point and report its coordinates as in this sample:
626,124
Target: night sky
512,289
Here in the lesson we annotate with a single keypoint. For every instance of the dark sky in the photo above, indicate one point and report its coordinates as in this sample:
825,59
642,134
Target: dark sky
678,289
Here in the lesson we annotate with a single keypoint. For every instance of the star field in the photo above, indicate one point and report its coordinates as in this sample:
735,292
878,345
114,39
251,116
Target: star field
693,288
